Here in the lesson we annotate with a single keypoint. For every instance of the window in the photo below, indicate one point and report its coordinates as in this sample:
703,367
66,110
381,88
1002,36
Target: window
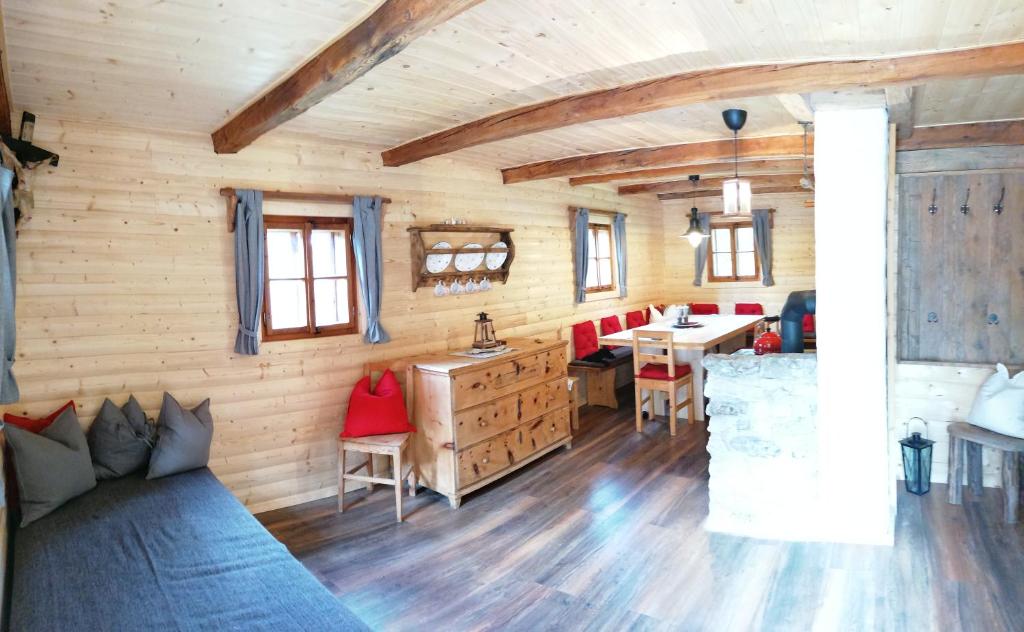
732,255
309,287
599,264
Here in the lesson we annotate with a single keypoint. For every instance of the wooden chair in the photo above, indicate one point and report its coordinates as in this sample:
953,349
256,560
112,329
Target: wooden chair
392,445
967,439
660,373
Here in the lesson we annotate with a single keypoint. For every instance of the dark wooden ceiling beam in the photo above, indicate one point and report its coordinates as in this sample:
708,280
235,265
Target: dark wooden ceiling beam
382,35
682,186
715,84
627,159
964,135
713,193
757,167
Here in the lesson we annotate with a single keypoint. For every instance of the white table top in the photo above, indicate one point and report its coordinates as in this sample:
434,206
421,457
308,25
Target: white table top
716,329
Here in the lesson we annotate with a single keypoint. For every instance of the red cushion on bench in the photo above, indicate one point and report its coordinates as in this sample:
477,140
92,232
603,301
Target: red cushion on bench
611,325
635,319
660,371
703,309
584,339
749,309
379,412
36,425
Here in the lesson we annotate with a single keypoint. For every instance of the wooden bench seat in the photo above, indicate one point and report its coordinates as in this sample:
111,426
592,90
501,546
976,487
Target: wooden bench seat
600,379
967,440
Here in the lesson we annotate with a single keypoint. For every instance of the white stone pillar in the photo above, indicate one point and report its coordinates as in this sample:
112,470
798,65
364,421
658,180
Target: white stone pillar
851,154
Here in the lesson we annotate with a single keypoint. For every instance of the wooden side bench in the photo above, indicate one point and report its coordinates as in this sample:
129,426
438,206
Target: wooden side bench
600,379
965,438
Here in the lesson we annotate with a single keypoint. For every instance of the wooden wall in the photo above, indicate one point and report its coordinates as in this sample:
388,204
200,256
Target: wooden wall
793,259
125,285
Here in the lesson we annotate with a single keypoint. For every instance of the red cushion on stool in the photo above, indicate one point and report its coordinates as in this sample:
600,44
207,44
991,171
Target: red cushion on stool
703,309
635,319
749,309
660,371
584,339
379,412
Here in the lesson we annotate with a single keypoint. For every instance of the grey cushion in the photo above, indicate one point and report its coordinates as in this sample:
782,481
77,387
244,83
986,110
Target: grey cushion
120,439
52,467
183,438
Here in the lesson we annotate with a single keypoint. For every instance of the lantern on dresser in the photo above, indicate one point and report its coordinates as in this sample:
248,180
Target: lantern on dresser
917,461
485,337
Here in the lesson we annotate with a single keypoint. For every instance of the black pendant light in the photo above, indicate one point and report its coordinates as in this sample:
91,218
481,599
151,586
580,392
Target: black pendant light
735,191
694,235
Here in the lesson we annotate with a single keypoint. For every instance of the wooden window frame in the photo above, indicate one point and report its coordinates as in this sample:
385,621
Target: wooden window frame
731,227
592,228
307,225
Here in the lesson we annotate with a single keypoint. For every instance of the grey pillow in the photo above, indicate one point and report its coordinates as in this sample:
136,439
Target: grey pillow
183,438
120,439
52,467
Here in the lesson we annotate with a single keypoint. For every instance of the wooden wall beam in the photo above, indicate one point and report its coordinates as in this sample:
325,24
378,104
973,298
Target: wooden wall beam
382,35
709,193
714,85
682,186
965,135
900,102
754,167
626,159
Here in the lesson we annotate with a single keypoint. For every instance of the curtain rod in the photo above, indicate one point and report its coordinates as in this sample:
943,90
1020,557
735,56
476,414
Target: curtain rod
296,196
595,211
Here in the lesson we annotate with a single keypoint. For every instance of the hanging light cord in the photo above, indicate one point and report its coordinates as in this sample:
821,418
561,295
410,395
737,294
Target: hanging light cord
805,149
735,154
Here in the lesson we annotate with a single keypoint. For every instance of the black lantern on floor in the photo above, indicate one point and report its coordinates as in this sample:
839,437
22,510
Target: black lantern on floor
917,462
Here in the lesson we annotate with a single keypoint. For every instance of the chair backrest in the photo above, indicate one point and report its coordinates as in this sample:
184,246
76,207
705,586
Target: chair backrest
654,340
749,309
584,339
703,309
635,319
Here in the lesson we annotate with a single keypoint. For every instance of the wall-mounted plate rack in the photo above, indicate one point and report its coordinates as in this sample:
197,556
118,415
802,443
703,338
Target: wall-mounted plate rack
423,239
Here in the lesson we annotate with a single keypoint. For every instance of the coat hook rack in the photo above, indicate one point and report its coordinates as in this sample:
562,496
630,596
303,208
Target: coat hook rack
933,208
965,208
998,208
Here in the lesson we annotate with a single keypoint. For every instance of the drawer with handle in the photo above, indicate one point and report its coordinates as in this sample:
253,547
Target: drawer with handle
505,450
475,387
484,421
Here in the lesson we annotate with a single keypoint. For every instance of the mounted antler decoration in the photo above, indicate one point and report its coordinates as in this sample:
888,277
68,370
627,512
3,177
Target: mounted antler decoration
21,156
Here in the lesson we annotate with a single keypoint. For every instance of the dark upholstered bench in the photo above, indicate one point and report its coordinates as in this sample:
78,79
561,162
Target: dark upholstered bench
600,377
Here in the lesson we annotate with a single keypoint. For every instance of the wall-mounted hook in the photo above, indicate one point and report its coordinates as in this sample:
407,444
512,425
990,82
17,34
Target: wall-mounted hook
993,319
964,208
933,208
933,317
998,208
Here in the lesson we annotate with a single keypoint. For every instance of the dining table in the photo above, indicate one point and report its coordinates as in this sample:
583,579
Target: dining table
717,332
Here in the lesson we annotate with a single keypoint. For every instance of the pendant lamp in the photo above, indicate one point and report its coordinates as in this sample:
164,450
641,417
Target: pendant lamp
694,234
735,191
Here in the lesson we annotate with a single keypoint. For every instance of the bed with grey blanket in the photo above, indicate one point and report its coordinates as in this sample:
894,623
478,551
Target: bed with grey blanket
175,553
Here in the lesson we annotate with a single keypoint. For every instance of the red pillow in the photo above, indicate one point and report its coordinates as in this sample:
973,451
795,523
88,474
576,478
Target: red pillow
808,323
584,339
635,319
37,425
703,309
379,412
749,309
611,325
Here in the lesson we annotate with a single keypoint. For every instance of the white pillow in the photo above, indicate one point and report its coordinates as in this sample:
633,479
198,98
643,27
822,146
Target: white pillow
999,404
655,313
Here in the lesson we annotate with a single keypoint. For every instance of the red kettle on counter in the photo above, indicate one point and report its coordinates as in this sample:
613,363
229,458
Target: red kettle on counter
769,341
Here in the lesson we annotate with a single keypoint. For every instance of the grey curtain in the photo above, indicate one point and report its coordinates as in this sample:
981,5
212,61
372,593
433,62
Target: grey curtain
763,239
619,230
8,278
369,263
582,231
249,258
700,256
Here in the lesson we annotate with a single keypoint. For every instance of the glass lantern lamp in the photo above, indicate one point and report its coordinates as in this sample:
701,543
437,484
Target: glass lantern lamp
485,337
917,463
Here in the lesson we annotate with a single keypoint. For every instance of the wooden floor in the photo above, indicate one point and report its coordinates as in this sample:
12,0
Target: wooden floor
607,536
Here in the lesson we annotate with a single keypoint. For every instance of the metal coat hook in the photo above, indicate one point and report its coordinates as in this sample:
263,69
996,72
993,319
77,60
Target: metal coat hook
964,208
998,208
932,208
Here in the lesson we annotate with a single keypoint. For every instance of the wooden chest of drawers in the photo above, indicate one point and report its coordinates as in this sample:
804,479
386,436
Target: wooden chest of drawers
478,420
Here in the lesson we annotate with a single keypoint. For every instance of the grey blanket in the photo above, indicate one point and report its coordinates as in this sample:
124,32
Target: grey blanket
176,553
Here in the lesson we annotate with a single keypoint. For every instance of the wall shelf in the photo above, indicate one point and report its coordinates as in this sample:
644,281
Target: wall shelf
420,235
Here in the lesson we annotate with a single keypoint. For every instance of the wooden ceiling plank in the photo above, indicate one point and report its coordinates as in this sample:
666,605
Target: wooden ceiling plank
759,167
714,85
382,35
626,159
797,106
965,135
709,193
682,186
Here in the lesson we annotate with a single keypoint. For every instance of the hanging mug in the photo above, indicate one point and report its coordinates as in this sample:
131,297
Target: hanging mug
456,287
472,287
485,285
440,289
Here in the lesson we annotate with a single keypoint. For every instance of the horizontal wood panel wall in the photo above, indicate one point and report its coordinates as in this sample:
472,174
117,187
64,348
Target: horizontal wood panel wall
793,259
126,285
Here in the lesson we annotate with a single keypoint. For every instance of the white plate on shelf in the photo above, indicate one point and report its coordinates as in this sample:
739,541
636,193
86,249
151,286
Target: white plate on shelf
439,263
495,260
469,261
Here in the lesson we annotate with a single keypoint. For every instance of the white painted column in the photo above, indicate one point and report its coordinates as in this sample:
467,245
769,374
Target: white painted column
851,149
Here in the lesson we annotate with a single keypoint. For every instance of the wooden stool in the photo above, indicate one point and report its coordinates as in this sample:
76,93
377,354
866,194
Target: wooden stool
392,445
969,439
660,374
576,395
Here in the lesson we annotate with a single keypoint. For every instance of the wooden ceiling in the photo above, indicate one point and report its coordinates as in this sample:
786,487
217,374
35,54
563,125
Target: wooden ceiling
185,65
